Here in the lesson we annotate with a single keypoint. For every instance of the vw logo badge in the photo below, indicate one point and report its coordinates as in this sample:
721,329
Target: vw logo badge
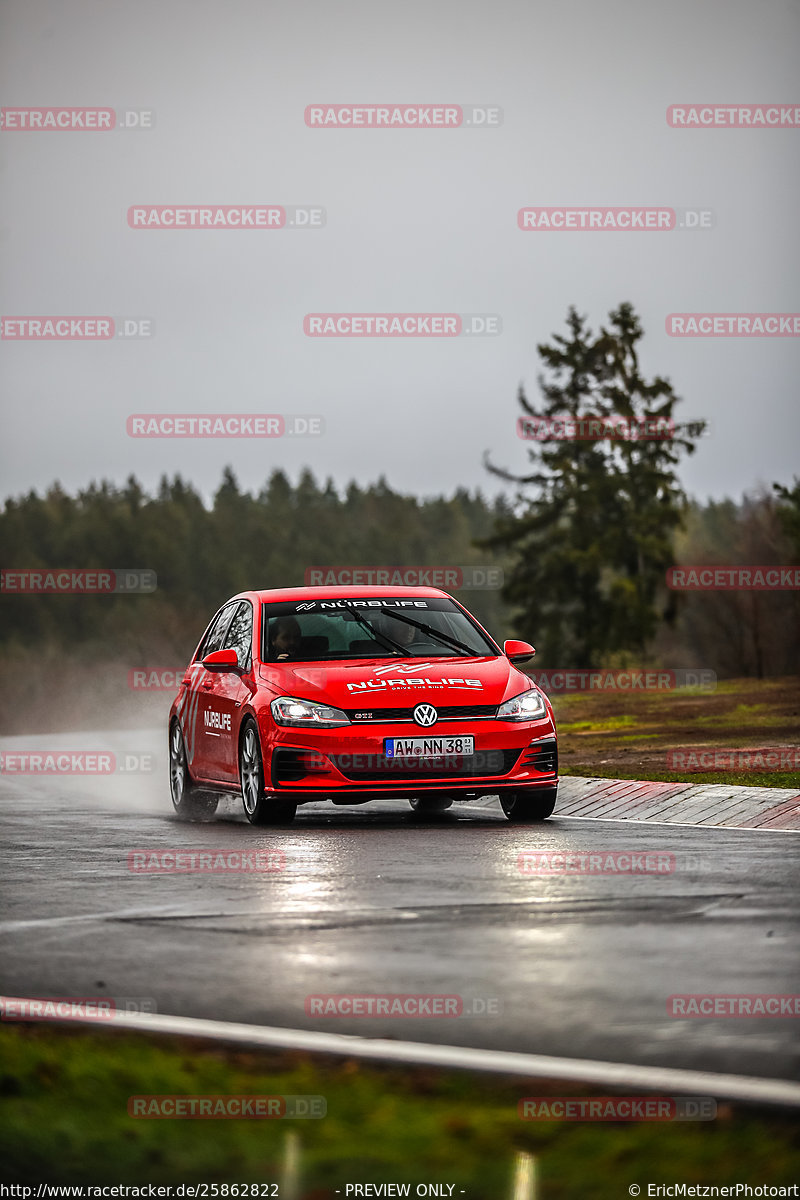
425,714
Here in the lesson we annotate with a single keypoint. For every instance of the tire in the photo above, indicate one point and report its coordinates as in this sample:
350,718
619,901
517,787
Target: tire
430,803
530,805
258,809
189,803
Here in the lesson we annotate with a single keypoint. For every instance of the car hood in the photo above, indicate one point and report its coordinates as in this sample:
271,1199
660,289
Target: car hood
396,683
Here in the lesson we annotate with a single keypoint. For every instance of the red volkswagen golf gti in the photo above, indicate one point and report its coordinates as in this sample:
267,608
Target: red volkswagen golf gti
345,694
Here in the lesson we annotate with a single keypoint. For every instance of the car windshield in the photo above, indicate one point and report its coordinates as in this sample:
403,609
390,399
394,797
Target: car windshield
382,627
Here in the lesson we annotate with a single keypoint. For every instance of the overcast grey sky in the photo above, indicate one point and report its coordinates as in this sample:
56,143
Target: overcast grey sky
416,221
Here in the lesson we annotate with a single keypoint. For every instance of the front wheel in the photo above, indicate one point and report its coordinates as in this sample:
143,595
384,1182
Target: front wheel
531,805
189,803
257,808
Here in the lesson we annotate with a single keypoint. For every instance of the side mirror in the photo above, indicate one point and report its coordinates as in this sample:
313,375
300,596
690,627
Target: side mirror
518,651
221,660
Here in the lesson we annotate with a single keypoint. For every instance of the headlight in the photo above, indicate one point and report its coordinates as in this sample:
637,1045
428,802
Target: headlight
287,710
525,707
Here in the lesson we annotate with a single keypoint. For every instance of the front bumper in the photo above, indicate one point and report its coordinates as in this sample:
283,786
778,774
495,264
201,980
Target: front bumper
349,761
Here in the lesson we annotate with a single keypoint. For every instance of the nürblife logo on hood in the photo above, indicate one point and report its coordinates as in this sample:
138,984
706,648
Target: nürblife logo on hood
407,682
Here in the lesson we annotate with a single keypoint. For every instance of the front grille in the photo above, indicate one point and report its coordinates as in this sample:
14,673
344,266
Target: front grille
448,712
365,767
542,756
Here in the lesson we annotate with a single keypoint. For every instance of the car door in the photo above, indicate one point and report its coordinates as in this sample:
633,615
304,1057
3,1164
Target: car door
225,698
201,749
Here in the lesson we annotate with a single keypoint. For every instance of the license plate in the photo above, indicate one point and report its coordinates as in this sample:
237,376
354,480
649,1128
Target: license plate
429,747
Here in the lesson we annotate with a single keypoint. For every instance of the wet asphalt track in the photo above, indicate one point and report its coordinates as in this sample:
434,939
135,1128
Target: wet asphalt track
374,901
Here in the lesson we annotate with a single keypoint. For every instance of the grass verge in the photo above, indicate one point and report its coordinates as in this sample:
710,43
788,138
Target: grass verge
64,1119
629,735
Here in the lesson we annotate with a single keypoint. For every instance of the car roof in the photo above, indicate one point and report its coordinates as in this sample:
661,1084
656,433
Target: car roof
277,595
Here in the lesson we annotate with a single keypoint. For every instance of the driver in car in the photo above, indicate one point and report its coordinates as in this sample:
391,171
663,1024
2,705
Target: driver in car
284,639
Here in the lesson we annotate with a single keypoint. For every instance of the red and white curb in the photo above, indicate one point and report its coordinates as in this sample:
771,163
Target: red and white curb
714,804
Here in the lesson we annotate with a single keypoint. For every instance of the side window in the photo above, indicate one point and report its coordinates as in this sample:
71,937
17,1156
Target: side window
213,639
240,633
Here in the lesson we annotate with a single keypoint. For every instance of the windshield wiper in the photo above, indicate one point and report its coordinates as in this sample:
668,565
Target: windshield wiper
444,638
376,634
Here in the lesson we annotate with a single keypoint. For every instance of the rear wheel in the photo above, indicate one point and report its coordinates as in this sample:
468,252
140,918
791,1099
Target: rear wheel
527,806
189,803
259,809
